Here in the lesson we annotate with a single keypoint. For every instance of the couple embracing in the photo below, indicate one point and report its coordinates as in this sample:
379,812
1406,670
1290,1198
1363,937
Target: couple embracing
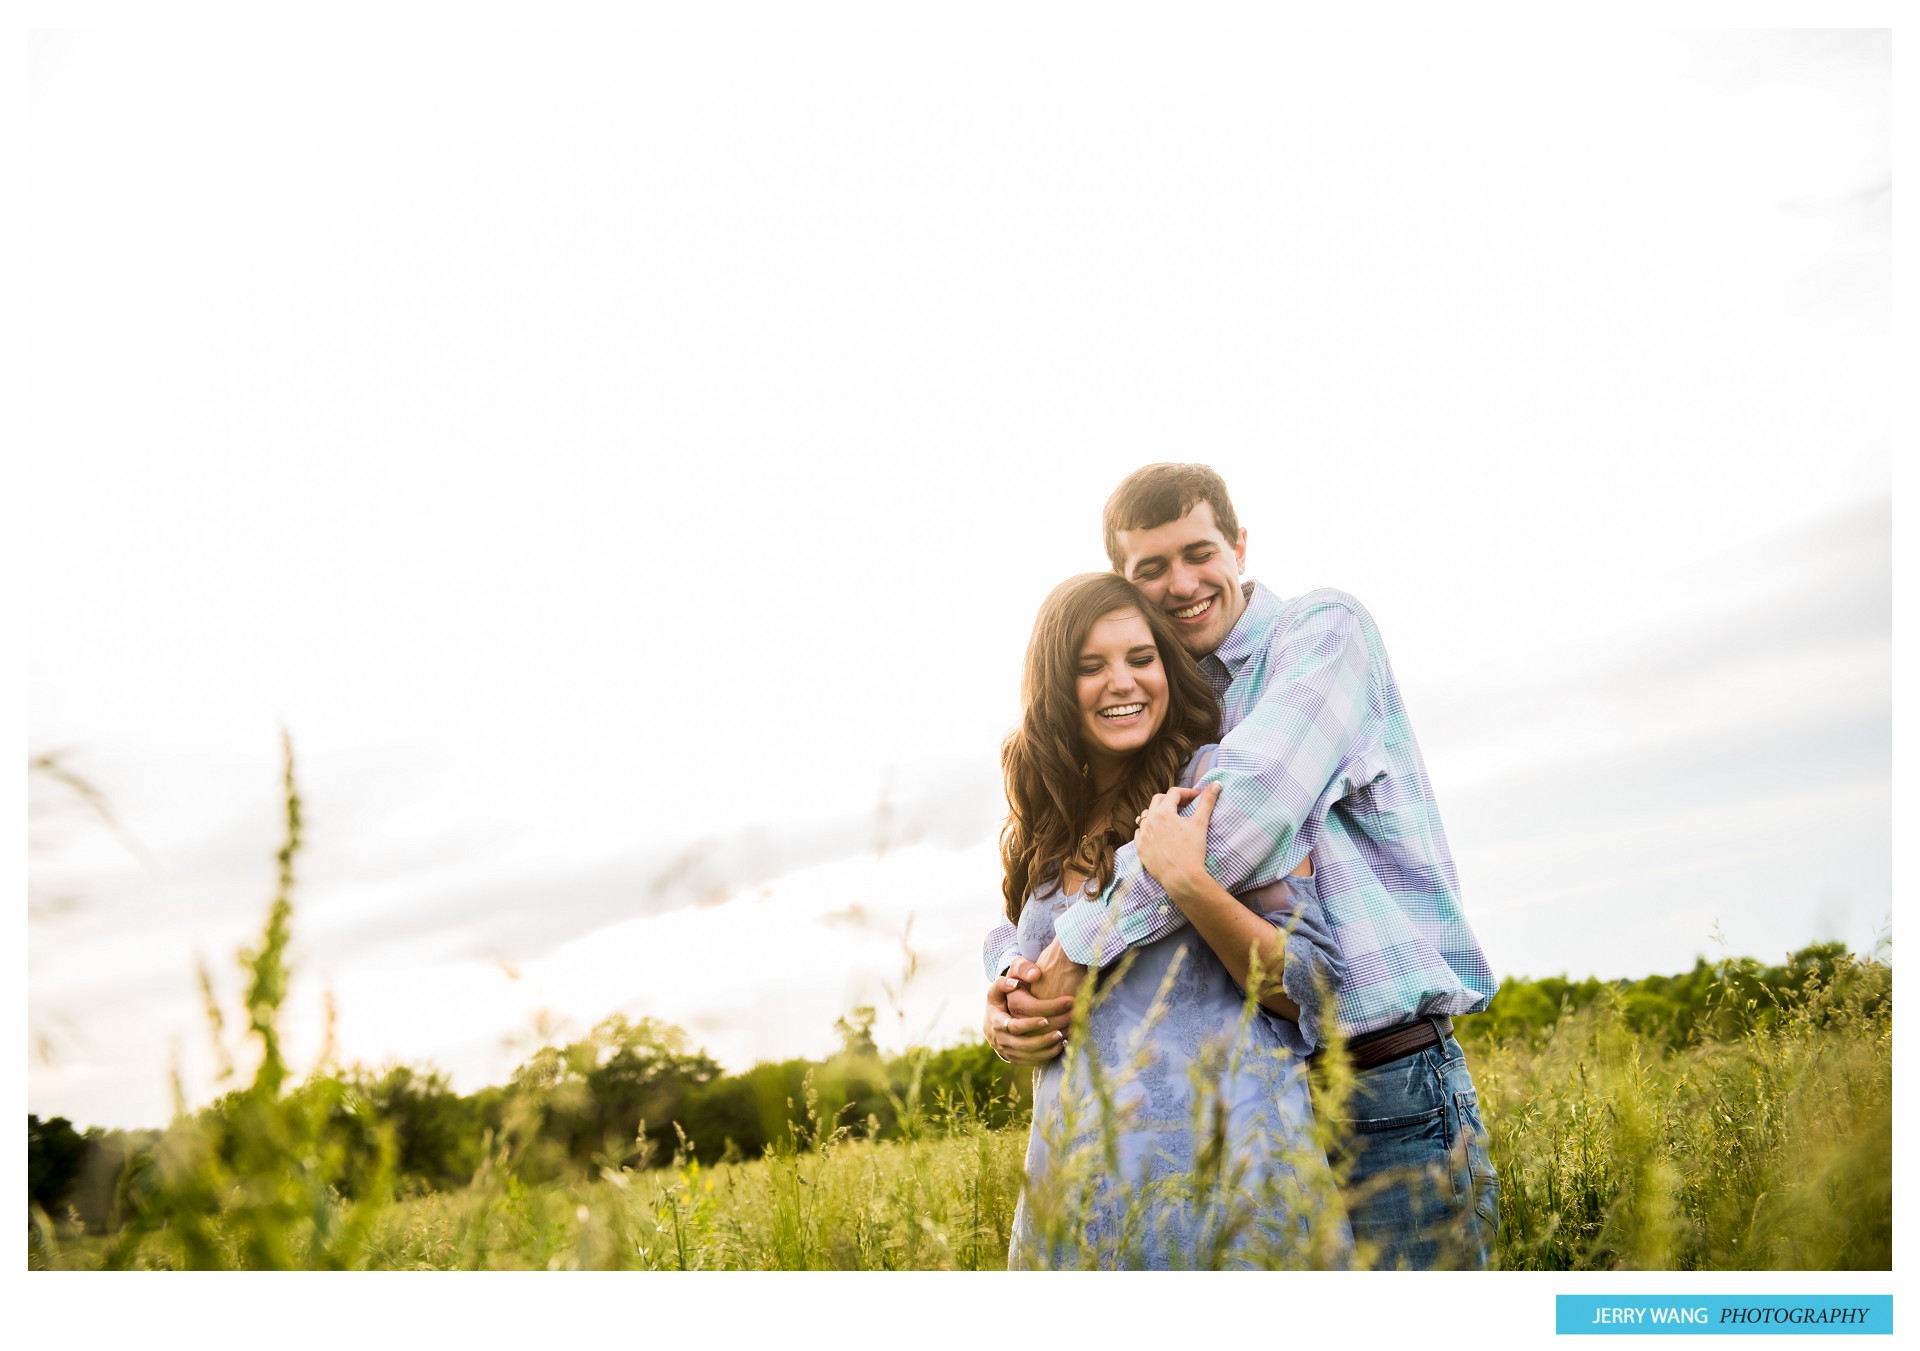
1217,805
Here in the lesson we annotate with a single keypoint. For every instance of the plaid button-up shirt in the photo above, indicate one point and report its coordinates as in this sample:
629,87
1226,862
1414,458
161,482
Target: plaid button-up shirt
1316,754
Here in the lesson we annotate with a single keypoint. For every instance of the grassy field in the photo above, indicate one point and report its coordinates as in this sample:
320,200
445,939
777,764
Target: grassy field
1740,1120
1770,1151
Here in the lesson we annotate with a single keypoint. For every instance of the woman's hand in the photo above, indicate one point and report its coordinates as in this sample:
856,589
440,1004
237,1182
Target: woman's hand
1172,847
1032,1031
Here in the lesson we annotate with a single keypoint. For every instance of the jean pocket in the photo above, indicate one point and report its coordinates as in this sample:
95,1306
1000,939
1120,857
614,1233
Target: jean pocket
1380,1145
1377,1125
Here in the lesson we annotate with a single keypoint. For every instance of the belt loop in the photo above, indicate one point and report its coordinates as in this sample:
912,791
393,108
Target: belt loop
1439,1032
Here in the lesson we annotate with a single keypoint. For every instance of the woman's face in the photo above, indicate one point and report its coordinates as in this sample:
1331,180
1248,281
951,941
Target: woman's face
1121,688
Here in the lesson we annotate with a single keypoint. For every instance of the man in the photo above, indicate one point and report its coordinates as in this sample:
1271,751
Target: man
1317,756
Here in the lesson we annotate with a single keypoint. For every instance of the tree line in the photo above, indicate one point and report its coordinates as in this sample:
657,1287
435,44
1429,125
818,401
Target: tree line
630,1094
1715,1001
638,1093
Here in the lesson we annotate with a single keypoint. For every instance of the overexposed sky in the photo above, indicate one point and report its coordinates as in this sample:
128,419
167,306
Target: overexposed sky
628,464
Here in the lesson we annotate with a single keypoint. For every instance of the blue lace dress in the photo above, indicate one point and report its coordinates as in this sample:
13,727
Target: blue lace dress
1177,1132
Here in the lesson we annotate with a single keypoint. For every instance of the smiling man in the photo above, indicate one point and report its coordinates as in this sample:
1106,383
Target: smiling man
1317,761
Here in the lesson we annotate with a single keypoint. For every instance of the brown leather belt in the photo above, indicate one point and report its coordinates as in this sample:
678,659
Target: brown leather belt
1389,1044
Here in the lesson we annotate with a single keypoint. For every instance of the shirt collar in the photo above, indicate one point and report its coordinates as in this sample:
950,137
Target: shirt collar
1249,632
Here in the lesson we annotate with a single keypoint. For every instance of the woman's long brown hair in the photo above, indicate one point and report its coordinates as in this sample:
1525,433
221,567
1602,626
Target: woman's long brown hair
1049,788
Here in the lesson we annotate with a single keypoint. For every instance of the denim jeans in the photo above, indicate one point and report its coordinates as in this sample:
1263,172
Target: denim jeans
1420,1189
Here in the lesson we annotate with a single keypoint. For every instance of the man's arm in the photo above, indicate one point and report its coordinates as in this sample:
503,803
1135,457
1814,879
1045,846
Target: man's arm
1313,737
1300,964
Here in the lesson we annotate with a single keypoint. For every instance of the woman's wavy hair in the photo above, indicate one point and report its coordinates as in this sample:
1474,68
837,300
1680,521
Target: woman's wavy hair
1049,789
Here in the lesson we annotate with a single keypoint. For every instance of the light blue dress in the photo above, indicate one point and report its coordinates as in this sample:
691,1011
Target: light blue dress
1177,1132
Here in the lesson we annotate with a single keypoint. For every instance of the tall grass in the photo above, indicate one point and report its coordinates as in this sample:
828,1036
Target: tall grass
1772,1150
835,1203
254,1184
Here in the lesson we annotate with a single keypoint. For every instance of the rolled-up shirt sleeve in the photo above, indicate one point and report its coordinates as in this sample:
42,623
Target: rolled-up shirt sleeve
1313,738
1311,967
1310,977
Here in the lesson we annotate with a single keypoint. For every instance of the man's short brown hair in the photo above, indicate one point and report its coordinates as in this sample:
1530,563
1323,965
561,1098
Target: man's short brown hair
1159,493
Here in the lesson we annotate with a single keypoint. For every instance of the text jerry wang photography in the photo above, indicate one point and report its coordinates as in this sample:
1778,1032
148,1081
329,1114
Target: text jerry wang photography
802,650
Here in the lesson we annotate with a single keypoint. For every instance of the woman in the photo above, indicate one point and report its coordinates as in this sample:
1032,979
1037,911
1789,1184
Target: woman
1176,1129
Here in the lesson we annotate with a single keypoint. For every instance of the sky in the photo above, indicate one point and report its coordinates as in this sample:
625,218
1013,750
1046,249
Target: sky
627,466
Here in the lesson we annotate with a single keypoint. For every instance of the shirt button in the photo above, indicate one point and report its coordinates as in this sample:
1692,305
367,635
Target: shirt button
1163,908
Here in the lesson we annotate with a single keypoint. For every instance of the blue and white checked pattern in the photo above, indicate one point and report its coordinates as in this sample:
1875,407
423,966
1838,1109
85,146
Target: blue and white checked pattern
1316,755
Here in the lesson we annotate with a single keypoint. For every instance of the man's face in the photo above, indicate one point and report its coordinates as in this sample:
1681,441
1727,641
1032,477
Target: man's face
1192,572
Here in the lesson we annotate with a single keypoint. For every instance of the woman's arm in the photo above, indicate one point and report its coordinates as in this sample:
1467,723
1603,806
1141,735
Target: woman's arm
1173,849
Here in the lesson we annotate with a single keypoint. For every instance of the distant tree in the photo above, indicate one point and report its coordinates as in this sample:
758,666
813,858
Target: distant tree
111,1155
56,1153
1714,1001
742,1114
593,1097
969,1080
856,1033
437,1134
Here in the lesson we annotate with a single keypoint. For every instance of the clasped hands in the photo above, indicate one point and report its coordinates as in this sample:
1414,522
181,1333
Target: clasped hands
1030,1008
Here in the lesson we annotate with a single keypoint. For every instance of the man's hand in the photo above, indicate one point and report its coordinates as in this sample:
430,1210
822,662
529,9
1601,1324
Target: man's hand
1021,1029
1058,977
1172,847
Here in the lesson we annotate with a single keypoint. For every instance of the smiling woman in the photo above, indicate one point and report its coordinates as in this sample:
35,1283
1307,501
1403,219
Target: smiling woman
1097,648
1116,713
1122,690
